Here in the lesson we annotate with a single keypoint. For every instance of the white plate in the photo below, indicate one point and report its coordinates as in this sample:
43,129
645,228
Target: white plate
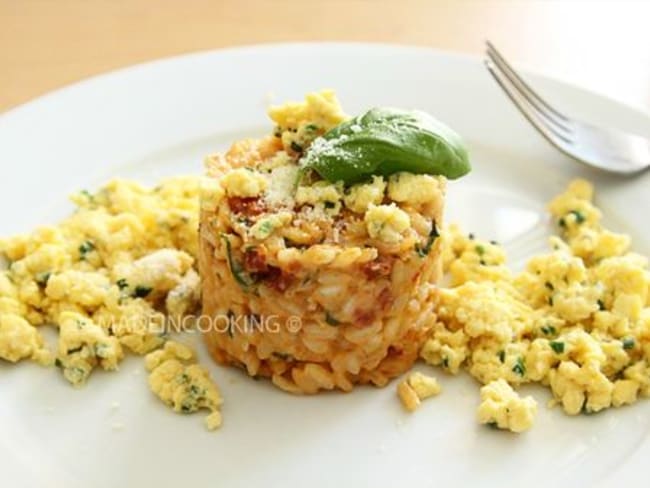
159,119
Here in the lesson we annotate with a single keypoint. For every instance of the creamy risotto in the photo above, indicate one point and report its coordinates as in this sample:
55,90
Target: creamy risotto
346,270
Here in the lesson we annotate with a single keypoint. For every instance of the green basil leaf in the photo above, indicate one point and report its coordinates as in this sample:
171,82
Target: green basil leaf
384,141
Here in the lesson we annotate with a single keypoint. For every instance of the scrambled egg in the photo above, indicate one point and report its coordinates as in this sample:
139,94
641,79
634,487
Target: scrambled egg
576,319
82,346
110,276
360,196
386,222
502,408
19,340
264,227
184,387
413,189
115,275
299,123
243,183
415,388
326,197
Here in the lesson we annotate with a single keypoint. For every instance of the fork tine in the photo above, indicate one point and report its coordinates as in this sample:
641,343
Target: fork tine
542,106
515,82
526,108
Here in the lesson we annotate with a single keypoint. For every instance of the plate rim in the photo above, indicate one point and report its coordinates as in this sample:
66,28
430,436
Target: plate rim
244,48
5,117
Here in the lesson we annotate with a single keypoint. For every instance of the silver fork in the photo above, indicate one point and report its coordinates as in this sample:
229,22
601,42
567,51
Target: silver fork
607,149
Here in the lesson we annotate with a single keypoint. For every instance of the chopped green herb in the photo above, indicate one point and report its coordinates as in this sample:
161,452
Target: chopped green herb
480,250
557,346
601,305
549,285
311,127
87,194
578,215
330,204
122,283
296,147
628,343
265,229
433,235
550,301
43,278
58,363
519,367
548,330
492,425
85,248
243,279
471,236
331,320
580,218
142,291
502,356
585,410
445,362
